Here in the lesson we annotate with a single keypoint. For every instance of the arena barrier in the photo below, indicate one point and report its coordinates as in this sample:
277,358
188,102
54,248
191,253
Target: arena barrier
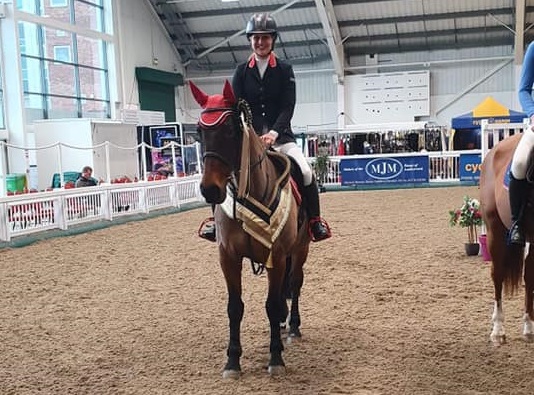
492,133
29,213
109,161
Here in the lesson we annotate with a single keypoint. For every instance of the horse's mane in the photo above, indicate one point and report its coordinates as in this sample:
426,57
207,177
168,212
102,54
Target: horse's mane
244,111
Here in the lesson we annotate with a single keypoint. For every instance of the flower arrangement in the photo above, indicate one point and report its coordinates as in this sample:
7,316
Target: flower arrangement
467,216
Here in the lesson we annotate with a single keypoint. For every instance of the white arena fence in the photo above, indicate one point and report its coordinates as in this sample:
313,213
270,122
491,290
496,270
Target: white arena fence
62,209
108,160
492,133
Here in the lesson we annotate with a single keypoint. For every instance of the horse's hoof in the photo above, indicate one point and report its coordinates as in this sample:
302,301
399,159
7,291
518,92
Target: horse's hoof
231,374
293,338
278,370
529,337
498,340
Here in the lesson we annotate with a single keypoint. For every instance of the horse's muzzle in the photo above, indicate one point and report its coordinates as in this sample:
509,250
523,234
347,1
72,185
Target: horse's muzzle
213,194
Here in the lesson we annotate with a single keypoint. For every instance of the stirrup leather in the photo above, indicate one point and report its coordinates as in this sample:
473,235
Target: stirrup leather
322,223
207,229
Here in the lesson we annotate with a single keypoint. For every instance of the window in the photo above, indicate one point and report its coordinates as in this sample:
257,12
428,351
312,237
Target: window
62,53
58,3
65,76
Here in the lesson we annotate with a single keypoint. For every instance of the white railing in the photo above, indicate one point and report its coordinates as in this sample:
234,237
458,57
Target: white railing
492,133
29,213
115,162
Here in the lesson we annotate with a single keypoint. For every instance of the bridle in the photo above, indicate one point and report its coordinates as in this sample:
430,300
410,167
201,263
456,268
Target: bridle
242,116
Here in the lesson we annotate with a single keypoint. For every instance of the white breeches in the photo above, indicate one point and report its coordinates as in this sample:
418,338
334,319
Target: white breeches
520,159
292,149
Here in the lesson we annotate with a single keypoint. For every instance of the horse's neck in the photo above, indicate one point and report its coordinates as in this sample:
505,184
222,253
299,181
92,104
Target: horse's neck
261,171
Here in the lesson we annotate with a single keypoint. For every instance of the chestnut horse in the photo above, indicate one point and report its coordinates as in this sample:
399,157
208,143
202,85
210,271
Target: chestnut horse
508,261
256,217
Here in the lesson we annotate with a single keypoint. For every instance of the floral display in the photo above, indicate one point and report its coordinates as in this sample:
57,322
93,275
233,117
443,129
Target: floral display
468,216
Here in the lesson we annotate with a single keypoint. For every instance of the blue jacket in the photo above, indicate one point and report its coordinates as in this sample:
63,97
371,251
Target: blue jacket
271,99
526,81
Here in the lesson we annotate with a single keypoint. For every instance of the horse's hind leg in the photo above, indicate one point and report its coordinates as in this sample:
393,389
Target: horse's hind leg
296,281
497,243
528,317
274,307
232,273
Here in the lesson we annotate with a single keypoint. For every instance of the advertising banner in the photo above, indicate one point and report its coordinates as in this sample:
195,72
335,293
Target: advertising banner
384,170
470,167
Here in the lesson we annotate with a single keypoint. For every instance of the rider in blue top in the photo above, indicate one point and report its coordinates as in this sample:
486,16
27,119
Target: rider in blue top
518,183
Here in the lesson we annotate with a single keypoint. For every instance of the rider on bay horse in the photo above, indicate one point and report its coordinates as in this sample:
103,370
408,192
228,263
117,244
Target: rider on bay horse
267,83
518,188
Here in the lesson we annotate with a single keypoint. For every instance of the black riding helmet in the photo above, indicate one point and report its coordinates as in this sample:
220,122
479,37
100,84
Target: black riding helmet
261,24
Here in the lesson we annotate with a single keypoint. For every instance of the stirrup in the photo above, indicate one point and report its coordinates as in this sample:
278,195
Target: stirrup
515,235
314,224
207,229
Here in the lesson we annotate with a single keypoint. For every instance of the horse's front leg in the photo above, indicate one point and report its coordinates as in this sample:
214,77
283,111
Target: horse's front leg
528,317
232,273
274,307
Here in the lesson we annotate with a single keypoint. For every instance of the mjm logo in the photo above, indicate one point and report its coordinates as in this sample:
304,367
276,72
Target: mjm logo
383,168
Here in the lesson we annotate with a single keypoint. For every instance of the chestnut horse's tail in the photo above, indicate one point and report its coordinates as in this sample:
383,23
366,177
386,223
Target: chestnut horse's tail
513,271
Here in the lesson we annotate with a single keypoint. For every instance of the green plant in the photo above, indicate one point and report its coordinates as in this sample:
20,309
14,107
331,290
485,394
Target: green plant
468,216
320,166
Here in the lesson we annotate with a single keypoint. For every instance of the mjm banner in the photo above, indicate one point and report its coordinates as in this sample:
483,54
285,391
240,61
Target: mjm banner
384,170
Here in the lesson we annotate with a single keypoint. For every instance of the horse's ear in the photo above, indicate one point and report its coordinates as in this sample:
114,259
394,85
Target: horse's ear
228,92
199,96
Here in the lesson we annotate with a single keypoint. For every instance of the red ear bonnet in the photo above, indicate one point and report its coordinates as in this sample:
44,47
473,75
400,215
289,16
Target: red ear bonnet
228,93
219,106
200,97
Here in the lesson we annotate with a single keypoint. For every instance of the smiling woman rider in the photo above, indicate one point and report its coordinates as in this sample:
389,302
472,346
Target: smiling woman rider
267,84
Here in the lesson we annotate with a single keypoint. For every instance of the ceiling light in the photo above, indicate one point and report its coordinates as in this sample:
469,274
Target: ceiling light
228,1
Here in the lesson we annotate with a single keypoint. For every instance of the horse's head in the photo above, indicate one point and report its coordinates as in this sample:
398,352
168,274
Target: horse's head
220,135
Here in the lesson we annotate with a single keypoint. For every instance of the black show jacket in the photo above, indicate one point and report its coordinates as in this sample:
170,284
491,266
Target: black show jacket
271,99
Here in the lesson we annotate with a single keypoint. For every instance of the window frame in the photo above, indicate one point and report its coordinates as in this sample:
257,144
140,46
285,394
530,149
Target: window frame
60,61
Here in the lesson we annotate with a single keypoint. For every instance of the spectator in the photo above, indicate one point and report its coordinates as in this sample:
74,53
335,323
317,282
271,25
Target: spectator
86,179
164,169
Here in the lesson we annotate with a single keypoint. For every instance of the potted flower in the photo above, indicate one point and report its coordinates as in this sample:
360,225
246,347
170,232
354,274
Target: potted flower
468,216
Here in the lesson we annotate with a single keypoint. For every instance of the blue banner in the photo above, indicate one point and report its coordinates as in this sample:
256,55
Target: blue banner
470,167
397,170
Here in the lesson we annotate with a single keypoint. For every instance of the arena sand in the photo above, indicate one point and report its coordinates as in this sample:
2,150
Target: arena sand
390,305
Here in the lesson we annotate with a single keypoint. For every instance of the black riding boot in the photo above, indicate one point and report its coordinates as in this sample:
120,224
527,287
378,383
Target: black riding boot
207,228
318,227
518,196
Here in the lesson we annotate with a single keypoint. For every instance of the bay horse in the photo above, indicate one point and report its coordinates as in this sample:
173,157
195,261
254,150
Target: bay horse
508,261
256,216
